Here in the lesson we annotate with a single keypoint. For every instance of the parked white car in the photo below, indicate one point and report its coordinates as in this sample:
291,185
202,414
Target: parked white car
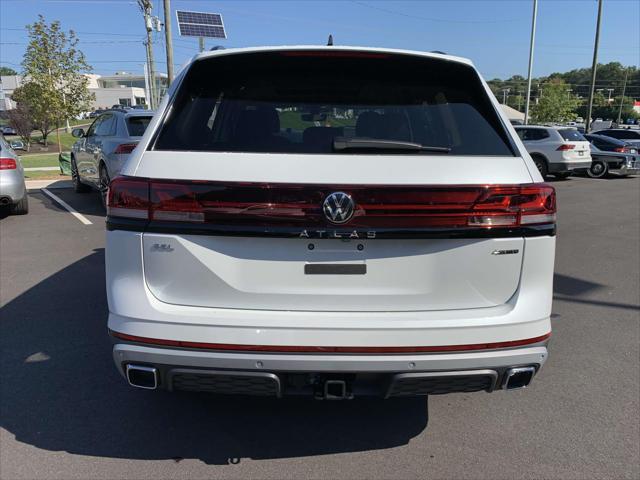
283,230
556,150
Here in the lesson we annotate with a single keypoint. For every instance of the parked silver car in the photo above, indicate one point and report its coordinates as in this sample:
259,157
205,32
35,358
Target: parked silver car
100,152
13,193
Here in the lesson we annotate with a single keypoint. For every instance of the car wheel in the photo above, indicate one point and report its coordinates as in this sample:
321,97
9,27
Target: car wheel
598,169
22,207
541,165
78,186
104,185
562,175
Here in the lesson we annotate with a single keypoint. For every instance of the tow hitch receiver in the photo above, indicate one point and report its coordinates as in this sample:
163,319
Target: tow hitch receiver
335,390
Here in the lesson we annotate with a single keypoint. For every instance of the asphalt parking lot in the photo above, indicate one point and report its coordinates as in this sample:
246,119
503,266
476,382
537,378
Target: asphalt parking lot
66,413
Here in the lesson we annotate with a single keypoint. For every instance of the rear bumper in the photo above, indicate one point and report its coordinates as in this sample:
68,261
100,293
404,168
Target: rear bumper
626,170
293,374
12,185
568,166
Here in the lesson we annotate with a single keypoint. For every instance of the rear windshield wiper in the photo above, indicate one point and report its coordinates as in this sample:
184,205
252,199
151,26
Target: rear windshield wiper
362,143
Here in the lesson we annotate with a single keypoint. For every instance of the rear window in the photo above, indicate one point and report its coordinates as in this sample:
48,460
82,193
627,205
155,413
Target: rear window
571,135
303,102
136,126
626,134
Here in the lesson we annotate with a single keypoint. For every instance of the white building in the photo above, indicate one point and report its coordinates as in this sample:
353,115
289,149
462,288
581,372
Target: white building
8,83
122,88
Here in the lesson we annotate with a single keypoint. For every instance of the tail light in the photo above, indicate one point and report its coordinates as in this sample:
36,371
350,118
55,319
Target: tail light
565,146
125,148
128,197
8,164
264,206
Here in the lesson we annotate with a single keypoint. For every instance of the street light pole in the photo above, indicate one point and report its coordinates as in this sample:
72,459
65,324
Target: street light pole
505,95
533,39
594,66
168,39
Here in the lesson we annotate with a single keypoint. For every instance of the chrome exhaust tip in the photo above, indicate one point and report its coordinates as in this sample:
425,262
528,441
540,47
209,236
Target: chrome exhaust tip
142,377
516,378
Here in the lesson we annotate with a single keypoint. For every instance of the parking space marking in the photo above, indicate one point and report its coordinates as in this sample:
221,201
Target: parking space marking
67,207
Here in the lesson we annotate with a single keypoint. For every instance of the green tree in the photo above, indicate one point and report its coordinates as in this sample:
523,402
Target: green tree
53,66
556,103
5,71
32,98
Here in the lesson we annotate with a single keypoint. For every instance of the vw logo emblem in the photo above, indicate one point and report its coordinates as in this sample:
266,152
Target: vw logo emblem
338,207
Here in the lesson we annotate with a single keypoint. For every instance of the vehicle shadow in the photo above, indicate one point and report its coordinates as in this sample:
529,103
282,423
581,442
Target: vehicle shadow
5,211
61,392
567,285
85,203
573,290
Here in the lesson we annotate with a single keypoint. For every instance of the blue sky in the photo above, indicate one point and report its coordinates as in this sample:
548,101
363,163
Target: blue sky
494,34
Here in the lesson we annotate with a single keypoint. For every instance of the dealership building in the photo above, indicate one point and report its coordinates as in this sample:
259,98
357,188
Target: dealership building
122,88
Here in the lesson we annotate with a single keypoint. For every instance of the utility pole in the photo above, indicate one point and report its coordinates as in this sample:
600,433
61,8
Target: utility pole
533,40
168,40
201,43
147,7
624,90
594,66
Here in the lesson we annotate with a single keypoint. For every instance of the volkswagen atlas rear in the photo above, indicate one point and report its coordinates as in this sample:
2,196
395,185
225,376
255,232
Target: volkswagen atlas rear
333,222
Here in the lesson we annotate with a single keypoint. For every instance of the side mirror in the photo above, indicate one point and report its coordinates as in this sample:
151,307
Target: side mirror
77,132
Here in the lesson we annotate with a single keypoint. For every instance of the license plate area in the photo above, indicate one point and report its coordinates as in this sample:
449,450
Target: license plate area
335,269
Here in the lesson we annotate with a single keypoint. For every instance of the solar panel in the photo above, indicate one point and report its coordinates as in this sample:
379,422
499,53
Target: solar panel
200,24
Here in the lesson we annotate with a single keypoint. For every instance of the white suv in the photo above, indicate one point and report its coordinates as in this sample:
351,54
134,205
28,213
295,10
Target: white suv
330,221
556,150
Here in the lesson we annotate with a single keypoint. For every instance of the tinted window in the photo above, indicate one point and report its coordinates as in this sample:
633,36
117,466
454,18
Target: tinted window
630,134
527,134
136,126
571,135
106,126
302,101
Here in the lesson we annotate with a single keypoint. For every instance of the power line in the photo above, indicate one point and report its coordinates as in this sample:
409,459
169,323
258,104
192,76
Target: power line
429,19
83,33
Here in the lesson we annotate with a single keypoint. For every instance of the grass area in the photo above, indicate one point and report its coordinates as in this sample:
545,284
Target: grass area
45,175
82,121
49,160
66,141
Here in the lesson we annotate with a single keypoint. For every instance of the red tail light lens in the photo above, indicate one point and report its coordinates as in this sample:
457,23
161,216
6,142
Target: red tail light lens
264,206
125,148
8,164
334,54
620,149
128,197
566,146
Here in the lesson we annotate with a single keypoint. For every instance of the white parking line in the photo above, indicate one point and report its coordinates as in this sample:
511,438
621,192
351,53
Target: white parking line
67,207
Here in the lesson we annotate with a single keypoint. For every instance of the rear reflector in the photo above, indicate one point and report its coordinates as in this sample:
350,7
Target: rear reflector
301,206
323,349
8,164
566,146
124,148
